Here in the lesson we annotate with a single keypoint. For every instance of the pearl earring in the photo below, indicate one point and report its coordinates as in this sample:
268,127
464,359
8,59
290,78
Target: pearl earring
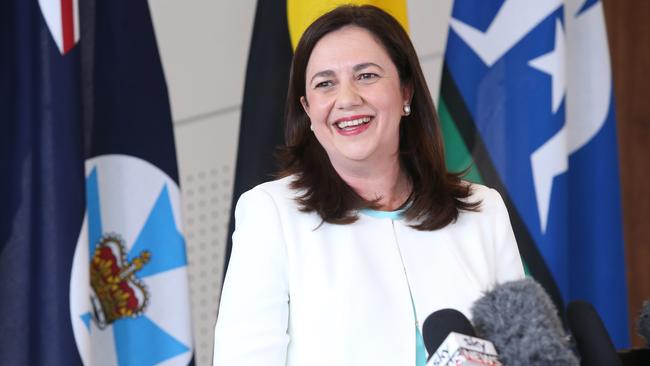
407,109
311,127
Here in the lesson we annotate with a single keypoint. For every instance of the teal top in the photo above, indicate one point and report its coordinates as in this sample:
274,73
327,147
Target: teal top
420,351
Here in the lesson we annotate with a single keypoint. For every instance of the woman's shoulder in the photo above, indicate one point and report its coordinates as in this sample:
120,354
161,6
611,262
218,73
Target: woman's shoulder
490,199
276,189
276,192
274,199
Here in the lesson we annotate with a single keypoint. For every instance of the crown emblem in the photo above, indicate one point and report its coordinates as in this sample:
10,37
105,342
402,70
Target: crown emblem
116,292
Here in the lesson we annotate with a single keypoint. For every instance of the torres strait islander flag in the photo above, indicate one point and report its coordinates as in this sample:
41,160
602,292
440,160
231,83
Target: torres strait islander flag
92,257
527,102
276,32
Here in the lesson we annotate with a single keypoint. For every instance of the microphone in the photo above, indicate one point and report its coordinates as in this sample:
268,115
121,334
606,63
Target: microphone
592,339
643,324
450,340
522,322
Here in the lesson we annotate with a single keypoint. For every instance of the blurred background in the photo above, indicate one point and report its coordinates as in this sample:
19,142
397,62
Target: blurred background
204,47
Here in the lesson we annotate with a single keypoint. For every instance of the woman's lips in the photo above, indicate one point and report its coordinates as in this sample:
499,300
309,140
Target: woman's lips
353,125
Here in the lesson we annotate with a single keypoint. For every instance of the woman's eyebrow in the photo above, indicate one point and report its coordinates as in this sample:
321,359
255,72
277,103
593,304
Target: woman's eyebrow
355,68
324,73
365,65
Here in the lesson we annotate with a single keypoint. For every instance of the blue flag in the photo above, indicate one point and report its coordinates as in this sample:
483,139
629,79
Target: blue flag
92,256
41,190
527,94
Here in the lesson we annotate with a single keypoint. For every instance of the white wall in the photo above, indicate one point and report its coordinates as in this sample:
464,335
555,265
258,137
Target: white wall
204,49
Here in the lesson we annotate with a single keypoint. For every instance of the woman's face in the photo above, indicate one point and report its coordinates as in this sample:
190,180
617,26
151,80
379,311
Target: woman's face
354,98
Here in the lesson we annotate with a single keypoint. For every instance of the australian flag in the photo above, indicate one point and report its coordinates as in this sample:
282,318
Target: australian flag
93,268
527,98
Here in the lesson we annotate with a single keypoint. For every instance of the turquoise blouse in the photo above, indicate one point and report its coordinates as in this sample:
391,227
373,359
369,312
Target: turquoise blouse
420,350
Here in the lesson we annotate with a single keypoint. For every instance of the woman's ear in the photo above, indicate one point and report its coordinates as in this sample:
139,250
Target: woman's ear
305,105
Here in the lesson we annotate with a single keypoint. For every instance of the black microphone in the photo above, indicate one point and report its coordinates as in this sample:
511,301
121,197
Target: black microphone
439,324
450,340
592,339
643,324
522,322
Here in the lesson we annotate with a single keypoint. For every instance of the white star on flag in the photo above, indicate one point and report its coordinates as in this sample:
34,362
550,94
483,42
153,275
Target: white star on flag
553,63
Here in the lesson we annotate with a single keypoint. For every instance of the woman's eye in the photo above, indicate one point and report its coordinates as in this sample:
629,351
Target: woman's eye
367,76
323,84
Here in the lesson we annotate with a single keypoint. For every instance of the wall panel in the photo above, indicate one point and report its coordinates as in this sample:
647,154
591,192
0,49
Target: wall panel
629,42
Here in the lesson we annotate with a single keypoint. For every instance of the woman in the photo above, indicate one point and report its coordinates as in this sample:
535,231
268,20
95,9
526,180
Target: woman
366,234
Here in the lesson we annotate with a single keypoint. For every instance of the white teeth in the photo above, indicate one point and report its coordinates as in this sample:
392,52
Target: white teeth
354,122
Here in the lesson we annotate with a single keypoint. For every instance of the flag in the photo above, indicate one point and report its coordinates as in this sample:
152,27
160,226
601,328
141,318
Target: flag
527,102
93,255
42,186
261,127
276,32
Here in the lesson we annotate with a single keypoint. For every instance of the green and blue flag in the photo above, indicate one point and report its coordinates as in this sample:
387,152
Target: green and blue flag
527,101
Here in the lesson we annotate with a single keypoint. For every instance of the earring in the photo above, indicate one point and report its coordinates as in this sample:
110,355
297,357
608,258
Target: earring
407,109
311,127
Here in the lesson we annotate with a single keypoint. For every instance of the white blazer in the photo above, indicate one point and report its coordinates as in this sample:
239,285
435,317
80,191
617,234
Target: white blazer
298,294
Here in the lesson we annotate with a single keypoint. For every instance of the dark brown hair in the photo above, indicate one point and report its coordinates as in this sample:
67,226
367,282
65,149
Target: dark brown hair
437,195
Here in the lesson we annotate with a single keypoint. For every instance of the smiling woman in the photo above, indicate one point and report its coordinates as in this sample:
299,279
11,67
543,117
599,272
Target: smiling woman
358,62
359,237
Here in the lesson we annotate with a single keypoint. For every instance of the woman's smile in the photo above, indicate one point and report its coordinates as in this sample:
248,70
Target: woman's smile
353,125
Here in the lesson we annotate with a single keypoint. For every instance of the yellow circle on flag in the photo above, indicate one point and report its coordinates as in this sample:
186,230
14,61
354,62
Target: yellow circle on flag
301,13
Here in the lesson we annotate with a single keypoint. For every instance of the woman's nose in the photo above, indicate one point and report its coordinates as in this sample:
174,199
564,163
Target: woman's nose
348,96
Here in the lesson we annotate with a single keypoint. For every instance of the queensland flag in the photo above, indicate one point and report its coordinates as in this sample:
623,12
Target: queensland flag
93,268
527,101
